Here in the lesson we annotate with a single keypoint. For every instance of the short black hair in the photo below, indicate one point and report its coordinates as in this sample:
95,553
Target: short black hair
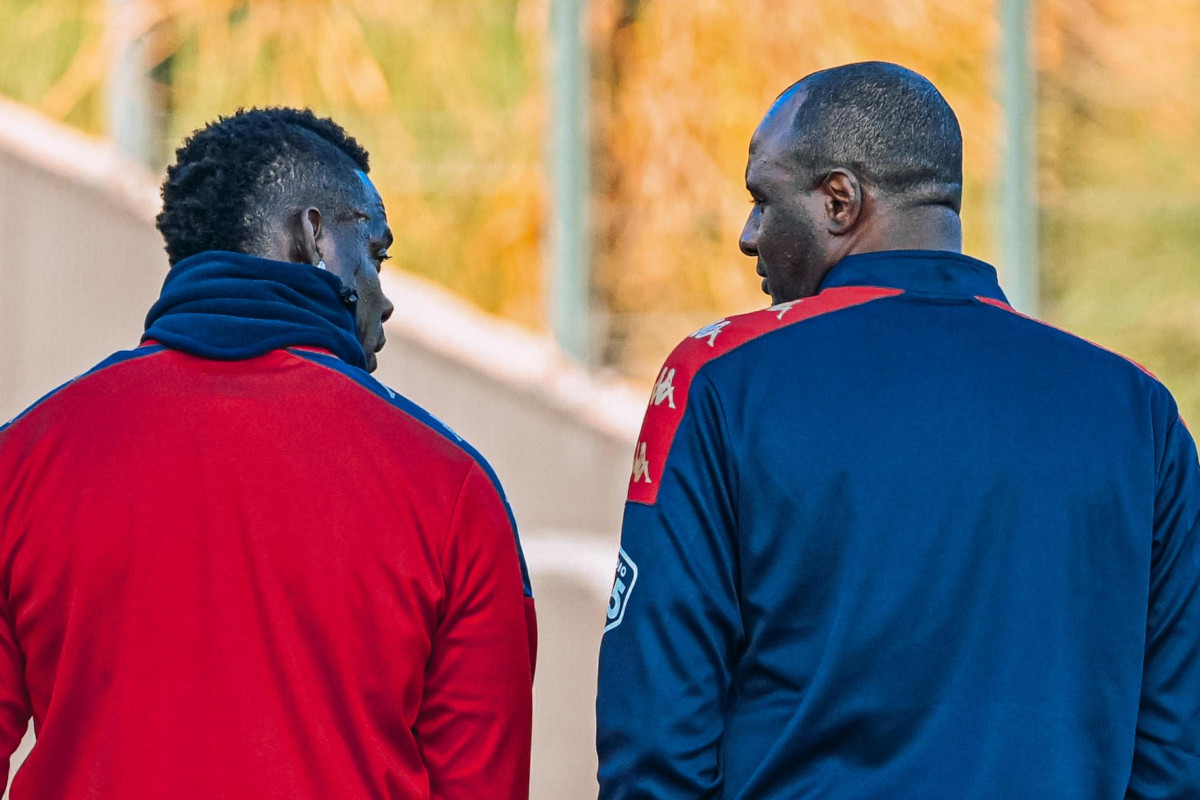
887,124
231,175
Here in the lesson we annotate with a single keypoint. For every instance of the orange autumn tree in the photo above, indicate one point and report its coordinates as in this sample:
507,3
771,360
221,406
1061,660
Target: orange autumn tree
451,100
680,91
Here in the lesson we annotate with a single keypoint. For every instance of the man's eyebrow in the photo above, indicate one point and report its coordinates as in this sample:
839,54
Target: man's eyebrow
364,216
352,215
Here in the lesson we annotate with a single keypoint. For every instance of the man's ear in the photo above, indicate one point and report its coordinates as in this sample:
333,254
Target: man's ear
843,194
304,228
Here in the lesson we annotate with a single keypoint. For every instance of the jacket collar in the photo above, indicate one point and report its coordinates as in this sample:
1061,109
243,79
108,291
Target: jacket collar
232,306
932,272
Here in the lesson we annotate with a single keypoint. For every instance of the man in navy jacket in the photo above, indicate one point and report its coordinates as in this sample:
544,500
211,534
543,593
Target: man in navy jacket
889,538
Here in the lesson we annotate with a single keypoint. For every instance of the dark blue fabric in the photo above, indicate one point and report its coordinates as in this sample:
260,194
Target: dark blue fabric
929,272
918,549
232,306
413,410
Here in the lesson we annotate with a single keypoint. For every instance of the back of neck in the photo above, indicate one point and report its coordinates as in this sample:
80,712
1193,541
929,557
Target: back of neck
920,228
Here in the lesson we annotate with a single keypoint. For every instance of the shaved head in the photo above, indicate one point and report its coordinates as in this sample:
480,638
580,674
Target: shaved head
859,158
886,123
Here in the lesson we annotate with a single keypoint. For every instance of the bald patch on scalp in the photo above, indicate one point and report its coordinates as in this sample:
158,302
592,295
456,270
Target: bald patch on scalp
781,115
371,195
769,163
368,188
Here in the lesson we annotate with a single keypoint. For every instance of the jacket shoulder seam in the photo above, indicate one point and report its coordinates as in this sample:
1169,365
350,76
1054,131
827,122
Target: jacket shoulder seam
115,360
669,398
997,304
387,396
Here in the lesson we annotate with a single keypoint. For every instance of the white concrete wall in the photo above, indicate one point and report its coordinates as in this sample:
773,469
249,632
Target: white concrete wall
81,262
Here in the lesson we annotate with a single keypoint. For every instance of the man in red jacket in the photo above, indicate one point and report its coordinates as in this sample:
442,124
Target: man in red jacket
234,565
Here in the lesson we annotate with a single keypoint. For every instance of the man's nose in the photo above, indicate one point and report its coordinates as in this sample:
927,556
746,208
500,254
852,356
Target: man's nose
748,241
388,308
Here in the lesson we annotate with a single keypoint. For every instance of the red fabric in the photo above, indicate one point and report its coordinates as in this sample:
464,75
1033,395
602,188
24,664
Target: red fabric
668,400
255,580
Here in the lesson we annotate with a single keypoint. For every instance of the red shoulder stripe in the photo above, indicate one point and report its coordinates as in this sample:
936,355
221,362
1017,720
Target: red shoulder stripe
668,400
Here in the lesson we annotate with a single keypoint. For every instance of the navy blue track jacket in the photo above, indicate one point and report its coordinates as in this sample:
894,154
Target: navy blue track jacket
897,541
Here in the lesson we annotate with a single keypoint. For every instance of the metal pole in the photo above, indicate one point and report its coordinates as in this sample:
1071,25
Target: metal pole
1018,206
132,119
569,167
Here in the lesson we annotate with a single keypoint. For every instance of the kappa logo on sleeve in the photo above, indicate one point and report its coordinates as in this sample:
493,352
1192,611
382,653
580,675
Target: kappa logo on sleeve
711,332
641,464
664,388
623,583
783,308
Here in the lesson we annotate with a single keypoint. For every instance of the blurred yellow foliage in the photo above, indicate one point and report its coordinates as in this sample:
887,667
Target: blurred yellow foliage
447,98
685,86
450,98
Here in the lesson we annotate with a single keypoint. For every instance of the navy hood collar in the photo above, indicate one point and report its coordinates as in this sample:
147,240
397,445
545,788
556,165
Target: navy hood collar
232,306
934,272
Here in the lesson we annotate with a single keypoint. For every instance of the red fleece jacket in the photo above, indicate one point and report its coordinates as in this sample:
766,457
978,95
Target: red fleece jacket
256,579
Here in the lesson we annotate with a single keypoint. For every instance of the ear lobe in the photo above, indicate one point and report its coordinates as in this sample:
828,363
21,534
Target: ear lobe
304,228
843,201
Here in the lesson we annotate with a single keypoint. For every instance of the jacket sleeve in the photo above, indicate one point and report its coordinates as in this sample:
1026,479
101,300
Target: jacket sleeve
673,623
475,722
1166,763
15,708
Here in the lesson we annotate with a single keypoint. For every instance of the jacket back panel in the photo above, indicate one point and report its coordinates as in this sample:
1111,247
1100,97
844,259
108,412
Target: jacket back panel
223,578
